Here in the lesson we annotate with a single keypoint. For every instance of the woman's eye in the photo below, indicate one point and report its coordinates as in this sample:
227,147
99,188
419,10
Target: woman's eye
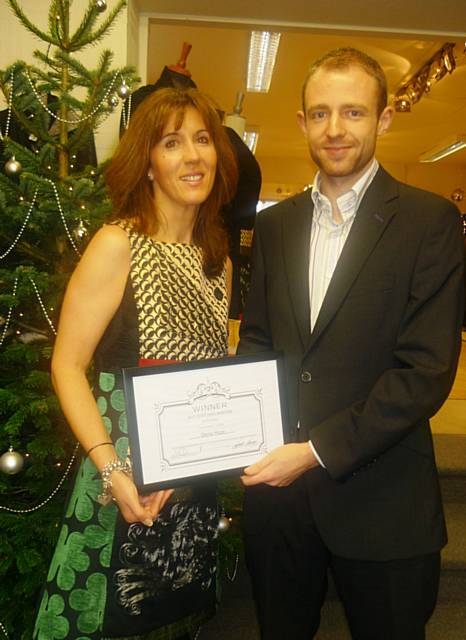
204,139
171,143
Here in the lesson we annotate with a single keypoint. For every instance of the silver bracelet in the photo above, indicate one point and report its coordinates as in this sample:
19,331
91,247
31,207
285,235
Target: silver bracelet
114,465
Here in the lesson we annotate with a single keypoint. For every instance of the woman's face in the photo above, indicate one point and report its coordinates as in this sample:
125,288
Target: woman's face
183,163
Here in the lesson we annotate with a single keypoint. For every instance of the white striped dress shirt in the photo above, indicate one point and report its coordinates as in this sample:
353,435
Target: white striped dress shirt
328,237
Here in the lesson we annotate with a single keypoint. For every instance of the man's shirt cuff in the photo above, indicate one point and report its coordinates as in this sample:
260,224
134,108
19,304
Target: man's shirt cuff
316,455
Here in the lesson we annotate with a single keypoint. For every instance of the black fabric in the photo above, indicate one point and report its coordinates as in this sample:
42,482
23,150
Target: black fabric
388,600
380,359
164,605
168,78
288,564
120,343
383,600
244,204
240,214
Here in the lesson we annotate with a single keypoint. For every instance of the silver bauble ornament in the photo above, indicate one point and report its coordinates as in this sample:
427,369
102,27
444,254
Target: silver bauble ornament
100,5
223,524
113,101
81,231
11,462
13,167
123,90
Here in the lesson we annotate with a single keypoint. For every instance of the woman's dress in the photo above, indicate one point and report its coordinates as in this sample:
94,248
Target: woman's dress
108,579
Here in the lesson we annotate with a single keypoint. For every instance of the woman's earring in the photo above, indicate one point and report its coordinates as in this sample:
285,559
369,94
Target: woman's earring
150,176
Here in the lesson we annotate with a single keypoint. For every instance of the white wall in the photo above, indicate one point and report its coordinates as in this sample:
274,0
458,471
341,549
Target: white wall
132,30
17,43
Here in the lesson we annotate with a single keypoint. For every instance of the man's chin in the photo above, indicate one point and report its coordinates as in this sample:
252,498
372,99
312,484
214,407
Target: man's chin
333,171
343,168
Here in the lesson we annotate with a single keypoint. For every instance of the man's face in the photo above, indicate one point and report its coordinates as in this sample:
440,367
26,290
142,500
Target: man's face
341,124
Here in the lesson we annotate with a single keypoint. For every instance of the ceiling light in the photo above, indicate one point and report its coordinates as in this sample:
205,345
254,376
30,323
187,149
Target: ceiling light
457,194
263,47
250,138
437,153
449,60
411,91
402,104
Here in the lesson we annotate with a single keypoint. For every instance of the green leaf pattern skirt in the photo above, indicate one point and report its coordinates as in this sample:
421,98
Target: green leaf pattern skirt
108,579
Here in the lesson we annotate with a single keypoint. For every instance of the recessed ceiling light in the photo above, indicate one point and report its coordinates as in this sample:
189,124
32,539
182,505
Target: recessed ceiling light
441,151
263,47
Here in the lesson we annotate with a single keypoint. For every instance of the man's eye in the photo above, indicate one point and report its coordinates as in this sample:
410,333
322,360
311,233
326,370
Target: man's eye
318,115
354,113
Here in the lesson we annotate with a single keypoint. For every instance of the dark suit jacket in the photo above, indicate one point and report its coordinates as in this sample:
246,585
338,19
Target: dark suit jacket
379,362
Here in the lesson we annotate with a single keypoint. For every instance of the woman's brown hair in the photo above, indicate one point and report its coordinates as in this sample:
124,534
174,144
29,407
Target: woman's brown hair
131,191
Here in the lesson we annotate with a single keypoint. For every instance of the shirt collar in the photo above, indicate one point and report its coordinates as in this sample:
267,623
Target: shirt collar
349,201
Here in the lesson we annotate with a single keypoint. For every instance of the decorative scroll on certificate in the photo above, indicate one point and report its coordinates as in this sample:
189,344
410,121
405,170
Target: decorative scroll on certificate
200,418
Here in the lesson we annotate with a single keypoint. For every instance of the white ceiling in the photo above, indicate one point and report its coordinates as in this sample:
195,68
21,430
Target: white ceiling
400,35
431,17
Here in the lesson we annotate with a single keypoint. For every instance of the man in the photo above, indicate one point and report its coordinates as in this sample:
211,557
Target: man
359,284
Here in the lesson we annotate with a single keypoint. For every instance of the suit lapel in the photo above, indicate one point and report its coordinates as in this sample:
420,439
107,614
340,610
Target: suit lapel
374,214
296,233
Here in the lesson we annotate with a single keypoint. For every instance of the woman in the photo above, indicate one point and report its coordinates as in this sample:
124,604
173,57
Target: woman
152,285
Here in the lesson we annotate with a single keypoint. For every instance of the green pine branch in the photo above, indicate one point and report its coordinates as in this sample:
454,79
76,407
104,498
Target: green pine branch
93,37
59,20
45,37
87,23
83,76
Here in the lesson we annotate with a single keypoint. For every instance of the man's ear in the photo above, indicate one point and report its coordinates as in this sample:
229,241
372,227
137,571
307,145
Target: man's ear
385,120
301,119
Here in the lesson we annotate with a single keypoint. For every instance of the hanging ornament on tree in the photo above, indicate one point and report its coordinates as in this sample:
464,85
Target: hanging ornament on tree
13,167
223,524
11,462
81,231
100,5
123,90
113,101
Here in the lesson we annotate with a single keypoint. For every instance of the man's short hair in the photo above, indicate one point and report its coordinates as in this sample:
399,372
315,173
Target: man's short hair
343,58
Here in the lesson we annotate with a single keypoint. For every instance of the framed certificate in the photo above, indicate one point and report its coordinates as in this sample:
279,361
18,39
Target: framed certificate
209,417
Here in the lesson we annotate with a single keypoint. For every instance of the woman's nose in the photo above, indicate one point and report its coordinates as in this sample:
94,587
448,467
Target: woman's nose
191,152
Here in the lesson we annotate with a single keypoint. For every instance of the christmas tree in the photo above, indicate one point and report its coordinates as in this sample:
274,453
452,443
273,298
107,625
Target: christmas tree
52,197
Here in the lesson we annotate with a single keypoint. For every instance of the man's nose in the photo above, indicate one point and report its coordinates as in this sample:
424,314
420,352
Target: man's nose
335,126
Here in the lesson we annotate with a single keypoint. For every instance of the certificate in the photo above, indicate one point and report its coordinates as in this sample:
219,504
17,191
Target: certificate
209,417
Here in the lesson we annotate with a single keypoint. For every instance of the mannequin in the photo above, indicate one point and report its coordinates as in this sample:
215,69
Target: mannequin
235,120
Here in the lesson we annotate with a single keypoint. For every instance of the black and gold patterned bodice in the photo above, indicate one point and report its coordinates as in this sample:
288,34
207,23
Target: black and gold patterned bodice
170,310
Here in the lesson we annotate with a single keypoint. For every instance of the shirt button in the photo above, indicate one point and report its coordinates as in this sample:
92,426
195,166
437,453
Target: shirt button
306,376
